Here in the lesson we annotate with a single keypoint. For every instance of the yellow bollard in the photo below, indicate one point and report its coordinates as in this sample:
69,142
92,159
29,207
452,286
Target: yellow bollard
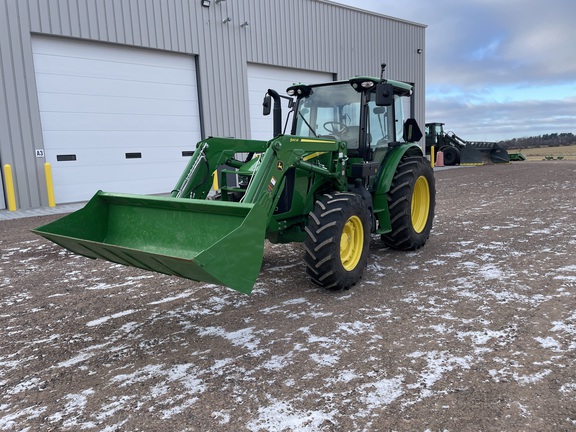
49,184
10,195
432,161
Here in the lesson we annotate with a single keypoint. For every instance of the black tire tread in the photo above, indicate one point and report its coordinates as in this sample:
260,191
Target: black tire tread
322,245
403,236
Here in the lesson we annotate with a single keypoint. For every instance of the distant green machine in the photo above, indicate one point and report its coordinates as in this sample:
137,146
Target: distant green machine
516,156
458,151
349,167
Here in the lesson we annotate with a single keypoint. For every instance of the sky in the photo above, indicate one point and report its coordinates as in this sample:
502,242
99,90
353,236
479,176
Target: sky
495,69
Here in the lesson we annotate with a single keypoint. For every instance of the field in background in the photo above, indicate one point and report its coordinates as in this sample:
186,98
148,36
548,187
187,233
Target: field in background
540,153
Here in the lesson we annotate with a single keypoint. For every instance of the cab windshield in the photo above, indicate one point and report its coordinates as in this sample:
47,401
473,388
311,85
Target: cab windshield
336,111
328,111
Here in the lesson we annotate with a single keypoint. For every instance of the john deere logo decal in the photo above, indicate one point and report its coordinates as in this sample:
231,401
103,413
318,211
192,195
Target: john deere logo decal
280,165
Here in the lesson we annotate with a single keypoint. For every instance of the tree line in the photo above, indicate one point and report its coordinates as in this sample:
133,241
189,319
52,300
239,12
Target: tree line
546,140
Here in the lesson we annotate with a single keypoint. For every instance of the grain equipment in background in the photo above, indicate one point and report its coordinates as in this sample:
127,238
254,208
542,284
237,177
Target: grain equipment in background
458,151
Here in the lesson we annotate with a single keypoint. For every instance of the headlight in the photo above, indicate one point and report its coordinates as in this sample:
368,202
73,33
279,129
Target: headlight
298,90
367,84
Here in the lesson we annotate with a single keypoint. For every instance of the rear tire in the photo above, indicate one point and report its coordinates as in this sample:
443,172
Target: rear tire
411,202
338,241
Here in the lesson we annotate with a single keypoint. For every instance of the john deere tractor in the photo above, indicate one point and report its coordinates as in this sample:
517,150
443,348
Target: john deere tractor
349,166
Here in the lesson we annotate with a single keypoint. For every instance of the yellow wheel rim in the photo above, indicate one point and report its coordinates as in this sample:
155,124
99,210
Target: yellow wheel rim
420,204
352,243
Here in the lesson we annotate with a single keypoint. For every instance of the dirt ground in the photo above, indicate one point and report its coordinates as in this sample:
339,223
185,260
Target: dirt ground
476,331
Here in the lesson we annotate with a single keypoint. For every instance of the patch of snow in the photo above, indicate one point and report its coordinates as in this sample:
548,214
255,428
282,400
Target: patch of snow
490,271
141,375
277,362
568,388
117,404
171,299
222,417
295,301
379,394
325,359
75,405
170,412
438,364
481,337
85,354
24,385
531,379
344,376
108,318
354,328
105,286
549,342
10,421
242,338
282,416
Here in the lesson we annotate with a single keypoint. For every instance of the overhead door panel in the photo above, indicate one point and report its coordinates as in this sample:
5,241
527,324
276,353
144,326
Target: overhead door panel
264,77
114,118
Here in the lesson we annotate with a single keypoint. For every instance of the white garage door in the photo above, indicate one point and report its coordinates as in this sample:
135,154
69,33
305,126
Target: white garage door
264,77
114,118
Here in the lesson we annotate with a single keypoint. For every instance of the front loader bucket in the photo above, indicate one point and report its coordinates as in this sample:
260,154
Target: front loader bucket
483,153
480,153
472,156
211,241
499,155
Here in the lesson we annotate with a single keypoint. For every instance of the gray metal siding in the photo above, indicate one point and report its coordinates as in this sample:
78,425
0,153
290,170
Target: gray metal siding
20,130
304,34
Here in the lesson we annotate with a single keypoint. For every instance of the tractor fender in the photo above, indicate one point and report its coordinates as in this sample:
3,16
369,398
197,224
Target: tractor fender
384,181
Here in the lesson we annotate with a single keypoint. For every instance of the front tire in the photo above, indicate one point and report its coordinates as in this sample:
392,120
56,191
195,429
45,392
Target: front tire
451,155
338,241
411,202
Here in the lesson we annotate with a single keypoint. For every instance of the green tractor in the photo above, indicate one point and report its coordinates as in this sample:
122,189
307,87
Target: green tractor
349,167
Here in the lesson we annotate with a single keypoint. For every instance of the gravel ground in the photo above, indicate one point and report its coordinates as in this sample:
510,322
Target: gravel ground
476,331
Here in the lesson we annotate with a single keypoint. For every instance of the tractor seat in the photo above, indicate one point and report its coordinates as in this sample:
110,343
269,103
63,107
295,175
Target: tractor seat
352,137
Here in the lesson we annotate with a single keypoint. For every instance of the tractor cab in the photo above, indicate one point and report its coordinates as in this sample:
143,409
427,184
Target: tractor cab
364,112
434,133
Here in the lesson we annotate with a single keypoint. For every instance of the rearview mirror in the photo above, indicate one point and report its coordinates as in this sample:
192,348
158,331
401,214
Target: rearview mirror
267,105
384,94
412,132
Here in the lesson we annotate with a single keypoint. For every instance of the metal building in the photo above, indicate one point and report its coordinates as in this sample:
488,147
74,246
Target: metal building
114,94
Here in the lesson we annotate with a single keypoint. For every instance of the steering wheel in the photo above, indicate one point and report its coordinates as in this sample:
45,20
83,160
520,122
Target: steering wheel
335,128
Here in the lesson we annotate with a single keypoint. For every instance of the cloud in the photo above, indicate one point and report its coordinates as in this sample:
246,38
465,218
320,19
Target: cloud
501,42
496,121
497,68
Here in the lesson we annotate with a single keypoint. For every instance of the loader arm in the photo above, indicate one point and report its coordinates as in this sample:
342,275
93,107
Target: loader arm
286,152
209,155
